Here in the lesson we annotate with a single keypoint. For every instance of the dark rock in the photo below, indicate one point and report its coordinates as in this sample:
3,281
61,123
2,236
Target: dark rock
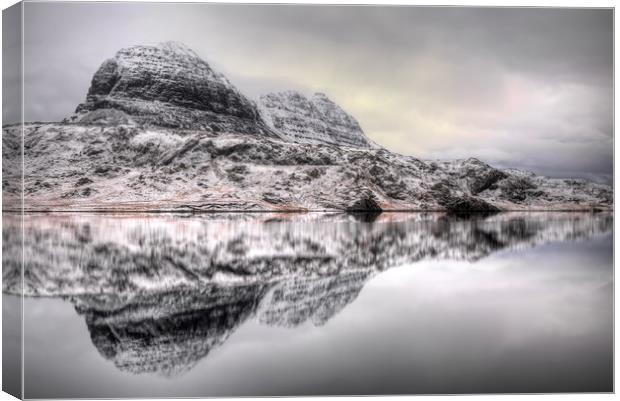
367,202
102,169
515,189
469,204
80,193
237,173
487,180
365,217
272,198
83,181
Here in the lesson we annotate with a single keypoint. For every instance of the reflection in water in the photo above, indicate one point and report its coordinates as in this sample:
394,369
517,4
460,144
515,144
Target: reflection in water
170,332
159,293
295,301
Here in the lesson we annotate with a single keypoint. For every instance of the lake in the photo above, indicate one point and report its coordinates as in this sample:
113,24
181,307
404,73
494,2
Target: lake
155,305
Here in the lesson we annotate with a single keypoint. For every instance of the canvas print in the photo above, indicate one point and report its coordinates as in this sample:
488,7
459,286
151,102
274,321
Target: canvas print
217,200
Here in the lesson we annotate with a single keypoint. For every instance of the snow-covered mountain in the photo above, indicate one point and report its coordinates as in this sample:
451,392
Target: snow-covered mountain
160,130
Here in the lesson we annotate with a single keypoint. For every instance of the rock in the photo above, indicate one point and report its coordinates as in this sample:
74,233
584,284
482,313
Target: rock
272,198
366,202
486,180
83,181
467,204
79,193
515,189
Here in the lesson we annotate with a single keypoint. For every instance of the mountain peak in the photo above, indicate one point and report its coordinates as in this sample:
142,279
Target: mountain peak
316,119
177,47
170,46
168,85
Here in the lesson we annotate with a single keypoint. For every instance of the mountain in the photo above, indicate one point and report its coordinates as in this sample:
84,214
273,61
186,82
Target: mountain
161,130
316,120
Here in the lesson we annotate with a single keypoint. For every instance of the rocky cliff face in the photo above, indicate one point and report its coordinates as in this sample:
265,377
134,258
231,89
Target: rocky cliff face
311,120
167,85
160,130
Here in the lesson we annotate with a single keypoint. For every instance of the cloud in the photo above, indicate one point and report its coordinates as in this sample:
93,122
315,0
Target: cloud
520,87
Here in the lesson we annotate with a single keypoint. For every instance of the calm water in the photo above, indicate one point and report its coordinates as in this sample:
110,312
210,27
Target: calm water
222,305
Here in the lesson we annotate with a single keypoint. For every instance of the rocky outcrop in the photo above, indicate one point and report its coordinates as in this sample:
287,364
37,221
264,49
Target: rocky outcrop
167,85
366,202
311,120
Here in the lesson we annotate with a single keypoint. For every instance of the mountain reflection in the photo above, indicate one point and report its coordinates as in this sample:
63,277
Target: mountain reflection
159,292
168,333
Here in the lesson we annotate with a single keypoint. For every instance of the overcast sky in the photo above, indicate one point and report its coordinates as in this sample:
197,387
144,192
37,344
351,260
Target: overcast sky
528,88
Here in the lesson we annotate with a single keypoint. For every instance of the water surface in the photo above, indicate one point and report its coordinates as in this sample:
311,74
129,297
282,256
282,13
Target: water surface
224,305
